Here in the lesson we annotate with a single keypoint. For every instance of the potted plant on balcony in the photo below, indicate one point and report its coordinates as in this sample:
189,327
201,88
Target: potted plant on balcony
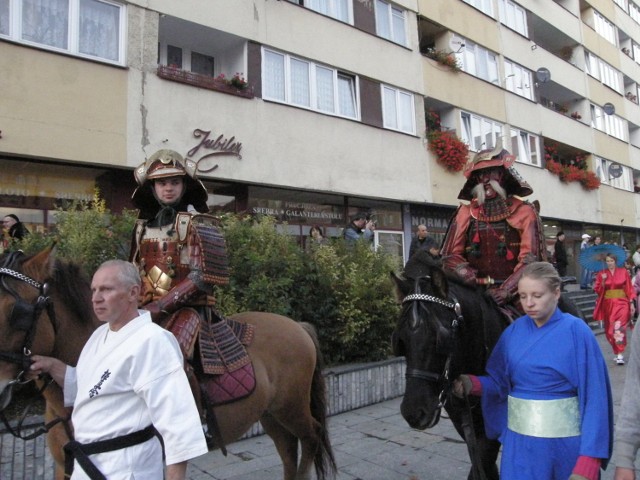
448,59
576,116
570,168
451,152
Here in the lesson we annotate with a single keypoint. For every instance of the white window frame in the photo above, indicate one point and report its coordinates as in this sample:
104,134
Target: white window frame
518,79
623,182
513,16
634,12
398,109
622,4
15,31
479,62
386,27
332,8
602,71
605,28
315,74
485,6
610,124
480,133
526,147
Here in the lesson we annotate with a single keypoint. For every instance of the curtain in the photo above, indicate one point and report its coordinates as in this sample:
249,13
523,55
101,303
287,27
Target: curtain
46,22
99,29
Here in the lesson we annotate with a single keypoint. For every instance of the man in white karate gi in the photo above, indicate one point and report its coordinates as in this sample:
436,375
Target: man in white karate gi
128,381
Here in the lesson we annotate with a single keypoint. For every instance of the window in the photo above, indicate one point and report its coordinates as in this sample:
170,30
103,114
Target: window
622,4
398,112
610,124
624,181
87,28
479,132
604,72
485,6
513,16
391,22
634,11
202,64
526,147
605,28
339,9
518,79
479,62
306,84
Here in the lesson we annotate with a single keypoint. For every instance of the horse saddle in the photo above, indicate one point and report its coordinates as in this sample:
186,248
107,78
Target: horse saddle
227,372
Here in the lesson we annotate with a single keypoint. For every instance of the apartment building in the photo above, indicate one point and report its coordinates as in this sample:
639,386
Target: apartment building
312,110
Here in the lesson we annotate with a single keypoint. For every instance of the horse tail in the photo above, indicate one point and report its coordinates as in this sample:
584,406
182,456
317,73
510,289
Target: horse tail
324,460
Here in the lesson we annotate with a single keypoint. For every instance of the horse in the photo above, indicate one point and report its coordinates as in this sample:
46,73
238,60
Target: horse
447,328
290,403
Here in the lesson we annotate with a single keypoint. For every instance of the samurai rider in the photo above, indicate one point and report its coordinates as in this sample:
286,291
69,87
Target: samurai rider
178,249
491,238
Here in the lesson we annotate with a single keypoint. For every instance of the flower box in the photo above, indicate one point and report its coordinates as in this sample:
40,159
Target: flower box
203,81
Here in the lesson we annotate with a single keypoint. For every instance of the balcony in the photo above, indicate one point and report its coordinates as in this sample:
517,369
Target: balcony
217,84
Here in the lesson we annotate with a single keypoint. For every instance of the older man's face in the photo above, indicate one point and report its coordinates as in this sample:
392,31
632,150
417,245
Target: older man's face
422,232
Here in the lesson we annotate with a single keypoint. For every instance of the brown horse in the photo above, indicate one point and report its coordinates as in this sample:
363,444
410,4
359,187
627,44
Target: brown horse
289,399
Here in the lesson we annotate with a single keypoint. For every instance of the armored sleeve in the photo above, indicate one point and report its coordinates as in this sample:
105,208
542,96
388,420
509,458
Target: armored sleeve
455,242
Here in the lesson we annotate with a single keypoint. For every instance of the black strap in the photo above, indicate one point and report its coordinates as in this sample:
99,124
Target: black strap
80,452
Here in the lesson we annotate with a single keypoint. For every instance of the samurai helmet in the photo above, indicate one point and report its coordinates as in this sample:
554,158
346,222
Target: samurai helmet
165,164
512,182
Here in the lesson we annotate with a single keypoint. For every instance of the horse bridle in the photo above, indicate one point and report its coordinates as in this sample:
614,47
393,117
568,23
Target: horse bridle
443,377
24,316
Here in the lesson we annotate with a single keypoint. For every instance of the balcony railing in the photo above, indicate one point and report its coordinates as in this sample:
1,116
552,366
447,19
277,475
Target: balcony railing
203,81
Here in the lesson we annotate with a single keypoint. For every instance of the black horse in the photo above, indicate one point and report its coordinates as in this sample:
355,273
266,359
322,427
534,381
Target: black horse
445,329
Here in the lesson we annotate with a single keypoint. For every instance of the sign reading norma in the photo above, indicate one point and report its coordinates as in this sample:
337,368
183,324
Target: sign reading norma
210,146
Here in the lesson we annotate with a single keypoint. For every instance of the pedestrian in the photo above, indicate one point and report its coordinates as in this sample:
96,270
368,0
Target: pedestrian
627,433
16,230
546,395
129,381
560,254
316,236
585,277
615,304
361,227
422,241
636,259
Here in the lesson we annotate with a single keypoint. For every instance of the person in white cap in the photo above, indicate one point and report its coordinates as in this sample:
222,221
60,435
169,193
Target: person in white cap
585,278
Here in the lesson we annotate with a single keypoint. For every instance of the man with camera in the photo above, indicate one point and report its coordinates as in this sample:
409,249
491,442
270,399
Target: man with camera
360,228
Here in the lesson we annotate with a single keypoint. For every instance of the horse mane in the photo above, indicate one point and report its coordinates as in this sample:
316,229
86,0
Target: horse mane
76,293
69,281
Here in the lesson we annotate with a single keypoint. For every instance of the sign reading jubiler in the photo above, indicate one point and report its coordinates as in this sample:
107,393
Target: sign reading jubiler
220,146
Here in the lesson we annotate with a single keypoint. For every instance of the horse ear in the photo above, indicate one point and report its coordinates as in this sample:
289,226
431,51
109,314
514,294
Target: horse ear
401,289
41,265
439,282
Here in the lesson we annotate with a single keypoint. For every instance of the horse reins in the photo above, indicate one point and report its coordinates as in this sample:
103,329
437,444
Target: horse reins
23,359
457,321
467,423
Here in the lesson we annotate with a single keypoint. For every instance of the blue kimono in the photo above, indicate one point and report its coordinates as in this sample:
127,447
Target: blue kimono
559,360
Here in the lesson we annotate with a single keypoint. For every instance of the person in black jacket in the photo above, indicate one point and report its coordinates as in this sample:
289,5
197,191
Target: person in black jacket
422,241
14,227
560,254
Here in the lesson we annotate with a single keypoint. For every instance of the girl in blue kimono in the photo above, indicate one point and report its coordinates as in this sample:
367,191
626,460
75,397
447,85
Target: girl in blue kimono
546,395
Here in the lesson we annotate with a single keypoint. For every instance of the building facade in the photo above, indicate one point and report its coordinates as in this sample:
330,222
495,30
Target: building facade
312,110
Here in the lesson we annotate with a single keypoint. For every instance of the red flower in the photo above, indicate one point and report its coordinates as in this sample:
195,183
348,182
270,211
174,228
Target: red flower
450,151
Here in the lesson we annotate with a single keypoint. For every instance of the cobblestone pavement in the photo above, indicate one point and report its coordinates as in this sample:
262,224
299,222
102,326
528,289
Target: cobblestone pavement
370,443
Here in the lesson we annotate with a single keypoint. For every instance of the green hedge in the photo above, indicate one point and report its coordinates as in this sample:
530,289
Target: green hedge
344,291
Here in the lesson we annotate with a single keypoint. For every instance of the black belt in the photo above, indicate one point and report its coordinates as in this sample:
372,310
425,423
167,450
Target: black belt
81,452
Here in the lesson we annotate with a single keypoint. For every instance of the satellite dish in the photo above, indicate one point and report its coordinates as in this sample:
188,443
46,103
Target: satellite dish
543,75
456,43
609,108
615,170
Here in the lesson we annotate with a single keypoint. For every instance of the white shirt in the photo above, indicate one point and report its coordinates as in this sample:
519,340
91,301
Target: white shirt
125,381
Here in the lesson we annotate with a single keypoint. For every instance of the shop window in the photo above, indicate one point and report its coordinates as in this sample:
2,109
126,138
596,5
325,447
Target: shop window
86,28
